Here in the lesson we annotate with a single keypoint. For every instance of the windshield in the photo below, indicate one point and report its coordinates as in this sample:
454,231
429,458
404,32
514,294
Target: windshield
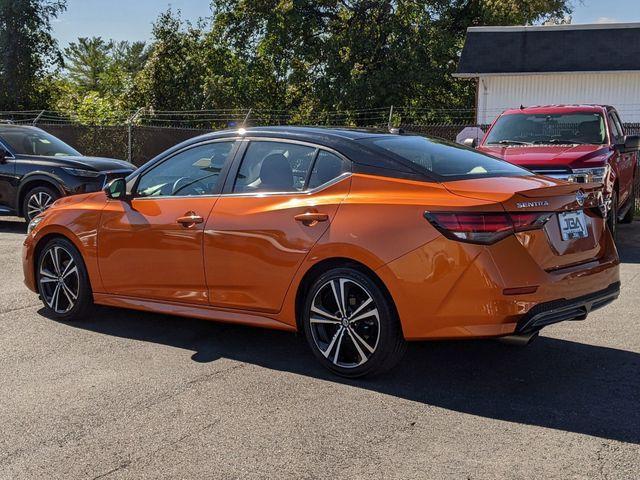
540,129
35,142
444,159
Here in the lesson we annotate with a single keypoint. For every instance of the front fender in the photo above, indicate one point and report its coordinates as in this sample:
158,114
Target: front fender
29,179
77,222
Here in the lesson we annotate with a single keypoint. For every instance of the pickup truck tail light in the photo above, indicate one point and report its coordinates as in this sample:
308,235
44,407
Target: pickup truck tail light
484,228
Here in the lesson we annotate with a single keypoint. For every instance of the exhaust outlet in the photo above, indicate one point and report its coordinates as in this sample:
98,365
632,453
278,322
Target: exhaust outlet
520,340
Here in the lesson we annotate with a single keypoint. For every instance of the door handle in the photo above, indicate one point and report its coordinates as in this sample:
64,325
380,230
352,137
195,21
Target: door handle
311,218
190,219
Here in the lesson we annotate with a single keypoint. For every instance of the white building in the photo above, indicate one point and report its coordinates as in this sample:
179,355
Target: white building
557,64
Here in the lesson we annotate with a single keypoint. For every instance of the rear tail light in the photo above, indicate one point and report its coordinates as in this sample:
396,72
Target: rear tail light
484,228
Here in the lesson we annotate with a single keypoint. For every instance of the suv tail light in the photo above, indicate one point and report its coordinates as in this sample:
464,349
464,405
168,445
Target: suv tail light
484,228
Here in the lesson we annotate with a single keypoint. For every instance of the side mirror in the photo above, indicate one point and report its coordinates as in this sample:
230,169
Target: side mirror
631,143
470,142
116,189
3,155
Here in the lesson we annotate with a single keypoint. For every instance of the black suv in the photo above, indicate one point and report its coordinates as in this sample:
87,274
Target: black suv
37,168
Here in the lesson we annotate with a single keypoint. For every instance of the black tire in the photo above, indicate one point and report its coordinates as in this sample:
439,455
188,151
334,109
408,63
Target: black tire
364,323
612,219
628,217
69,269
37,200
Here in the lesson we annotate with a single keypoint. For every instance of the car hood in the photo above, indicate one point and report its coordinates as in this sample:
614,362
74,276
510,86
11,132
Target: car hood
99,164
549,156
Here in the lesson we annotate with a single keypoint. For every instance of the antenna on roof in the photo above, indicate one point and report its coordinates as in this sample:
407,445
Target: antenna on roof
521,107
246,118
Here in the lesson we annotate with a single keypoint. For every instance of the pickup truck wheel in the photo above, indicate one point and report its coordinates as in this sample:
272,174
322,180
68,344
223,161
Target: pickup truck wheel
612,219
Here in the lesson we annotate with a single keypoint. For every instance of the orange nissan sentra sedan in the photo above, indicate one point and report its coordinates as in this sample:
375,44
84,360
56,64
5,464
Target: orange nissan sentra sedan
361,240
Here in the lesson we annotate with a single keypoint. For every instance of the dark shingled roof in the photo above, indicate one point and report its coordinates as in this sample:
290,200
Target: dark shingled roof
558,48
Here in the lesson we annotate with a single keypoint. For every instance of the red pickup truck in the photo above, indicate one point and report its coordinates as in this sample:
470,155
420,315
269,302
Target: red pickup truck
578,143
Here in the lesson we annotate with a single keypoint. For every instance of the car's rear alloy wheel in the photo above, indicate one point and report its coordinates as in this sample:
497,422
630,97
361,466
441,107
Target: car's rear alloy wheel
62,280
351,325
37,201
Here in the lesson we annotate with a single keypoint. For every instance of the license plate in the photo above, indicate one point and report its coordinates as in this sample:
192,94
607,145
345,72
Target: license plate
573,225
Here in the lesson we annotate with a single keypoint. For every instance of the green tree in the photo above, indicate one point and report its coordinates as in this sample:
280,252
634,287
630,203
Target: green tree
87,61
98,78
188,69
28,52
347,54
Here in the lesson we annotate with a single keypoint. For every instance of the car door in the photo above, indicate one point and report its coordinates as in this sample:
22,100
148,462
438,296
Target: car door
8,181
150,246
625,161
274,208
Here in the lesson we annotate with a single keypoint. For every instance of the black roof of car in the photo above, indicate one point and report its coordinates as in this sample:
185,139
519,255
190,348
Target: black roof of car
550,48
343,140
329,134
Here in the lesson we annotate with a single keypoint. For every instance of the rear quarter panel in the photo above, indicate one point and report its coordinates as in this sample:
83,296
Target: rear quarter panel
380,220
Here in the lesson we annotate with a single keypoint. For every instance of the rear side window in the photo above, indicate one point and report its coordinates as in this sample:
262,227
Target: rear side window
274,167
443,159
326,167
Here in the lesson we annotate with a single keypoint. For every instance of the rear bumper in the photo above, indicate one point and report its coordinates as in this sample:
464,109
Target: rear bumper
556,311
450,290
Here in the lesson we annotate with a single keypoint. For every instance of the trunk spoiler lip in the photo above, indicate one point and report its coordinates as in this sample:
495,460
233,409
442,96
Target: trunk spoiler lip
543,191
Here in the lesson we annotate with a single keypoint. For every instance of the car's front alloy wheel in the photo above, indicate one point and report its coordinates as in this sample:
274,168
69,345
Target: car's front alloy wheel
351,325
62,280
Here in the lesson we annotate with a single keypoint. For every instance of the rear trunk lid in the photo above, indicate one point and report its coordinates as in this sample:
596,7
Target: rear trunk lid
541,194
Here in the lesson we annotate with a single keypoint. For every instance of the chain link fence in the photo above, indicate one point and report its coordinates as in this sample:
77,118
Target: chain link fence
140,135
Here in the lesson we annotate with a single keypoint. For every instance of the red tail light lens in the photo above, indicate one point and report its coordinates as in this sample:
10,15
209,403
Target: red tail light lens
484,228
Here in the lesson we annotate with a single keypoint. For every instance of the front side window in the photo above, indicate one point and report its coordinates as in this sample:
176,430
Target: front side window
443,159
548,129
35,142
195,171
274,167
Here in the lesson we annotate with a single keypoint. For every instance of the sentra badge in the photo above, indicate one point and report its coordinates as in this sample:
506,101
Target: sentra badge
542,203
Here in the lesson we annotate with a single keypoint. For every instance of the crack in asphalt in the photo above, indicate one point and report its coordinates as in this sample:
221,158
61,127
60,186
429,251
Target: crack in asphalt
158,450
3,312
69,437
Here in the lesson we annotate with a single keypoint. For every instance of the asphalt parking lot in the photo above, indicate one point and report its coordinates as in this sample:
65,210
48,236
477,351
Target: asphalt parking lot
134,395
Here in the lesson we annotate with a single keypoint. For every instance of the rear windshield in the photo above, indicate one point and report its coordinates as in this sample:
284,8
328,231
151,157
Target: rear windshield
35,142
443,159
541,129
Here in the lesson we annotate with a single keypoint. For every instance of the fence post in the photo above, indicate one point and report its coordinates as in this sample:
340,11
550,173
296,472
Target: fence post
35,120
390,118
130,121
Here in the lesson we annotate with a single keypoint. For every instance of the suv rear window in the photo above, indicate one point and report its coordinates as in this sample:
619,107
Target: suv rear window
548,129
445,160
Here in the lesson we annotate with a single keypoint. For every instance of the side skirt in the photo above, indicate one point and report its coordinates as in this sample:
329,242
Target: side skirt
193,311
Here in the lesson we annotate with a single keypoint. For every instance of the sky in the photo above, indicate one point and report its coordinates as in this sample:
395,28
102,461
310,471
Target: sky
132,19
